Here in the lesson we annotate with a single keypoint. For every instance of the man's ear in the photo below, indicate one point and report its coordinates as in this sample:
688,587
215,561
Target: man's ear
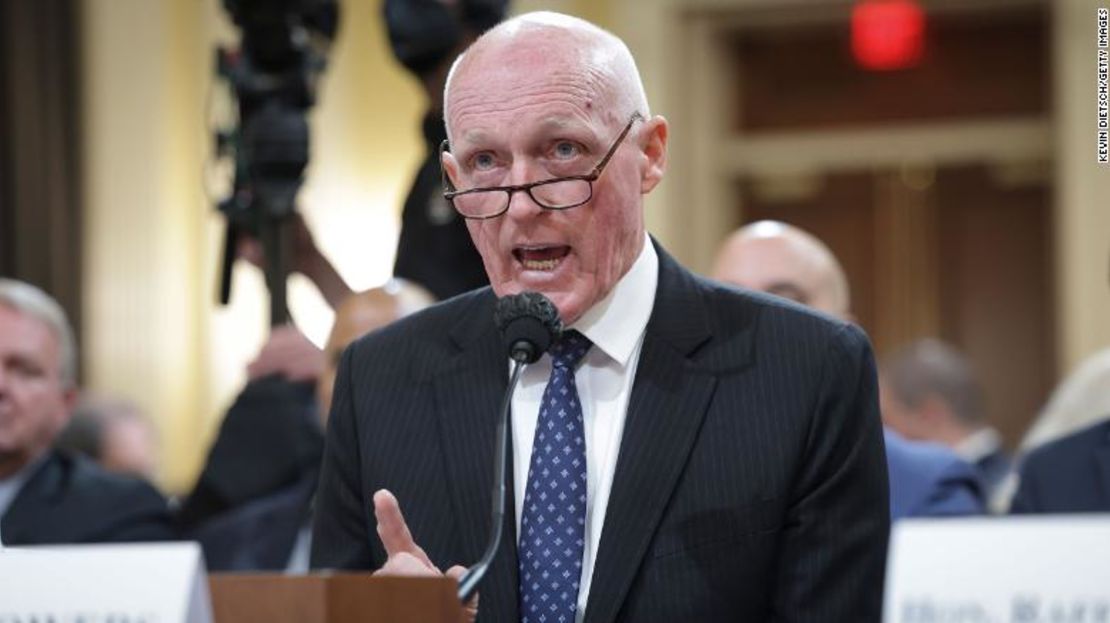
70,396
450,167
654,141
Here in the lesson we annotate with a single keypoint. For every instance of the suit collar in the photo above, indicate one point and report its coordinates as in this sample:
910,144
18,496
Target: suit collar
616,323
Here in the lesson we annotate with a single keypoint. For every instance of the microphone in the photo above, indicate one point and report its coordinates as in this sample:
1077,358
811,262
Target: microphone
529,322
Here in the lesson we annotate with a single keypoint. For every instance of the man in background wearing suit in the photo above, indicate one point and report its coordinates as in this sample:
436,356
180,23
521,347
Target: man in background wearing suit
47,496
685,452
930,393
926,480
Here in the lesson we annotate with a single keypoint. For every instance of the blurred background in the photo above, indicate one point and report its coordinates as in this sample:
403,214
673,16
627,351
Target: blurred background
952,170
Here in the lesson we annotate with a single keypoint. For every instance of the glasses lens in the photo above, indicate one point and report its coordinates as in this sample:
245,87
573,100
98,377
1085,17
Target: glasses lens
562,193
481,204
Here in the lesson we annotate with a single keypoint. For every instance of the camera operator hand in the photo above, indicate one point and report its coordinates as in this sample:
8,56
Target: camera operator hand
306,259
290,354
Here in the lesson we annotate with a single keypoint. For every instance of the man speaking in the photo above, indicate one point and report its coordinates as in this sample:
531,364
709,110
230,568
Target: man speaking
684,452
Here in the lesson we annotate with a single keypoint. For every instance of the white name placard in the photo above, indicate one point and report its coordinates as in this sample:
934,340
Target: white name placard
131,583
1046,569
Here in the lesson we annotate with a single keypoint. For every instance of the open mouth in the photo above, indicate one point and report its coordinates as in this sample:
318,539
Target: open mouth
546,258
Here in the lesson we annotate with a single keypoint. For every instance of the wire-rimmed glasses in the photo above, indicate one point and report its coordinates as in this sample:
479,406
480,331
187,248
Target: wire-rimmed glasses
557,193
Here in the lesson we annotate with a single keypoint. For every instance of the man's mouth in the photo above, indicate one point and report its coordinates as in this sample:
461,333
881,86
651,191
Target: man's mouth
543,258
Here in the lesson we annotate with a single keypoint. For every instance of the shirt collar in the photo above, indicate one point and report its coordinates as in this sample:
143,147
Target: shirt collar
616,323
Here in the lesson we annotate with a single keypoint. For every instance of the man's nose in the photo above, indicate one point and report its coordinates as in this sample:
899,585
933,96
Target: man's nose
521,204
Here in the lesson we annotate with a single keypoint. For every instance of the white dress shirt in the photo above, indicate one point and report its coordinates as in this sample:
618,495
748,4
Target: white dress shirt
615,326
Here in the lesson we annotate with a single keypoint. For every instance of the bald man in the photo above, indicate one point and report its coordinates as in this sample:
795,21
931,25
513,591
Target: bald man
250,508
684,452
926,480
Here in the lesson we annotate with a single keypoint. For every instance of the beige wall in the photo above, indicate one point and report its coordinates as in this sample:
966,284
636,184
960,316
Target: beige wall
1082,190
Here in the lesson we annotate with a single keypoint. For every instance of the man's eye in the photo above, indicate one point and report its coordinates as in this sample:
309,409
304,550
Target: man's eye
482,162
566,149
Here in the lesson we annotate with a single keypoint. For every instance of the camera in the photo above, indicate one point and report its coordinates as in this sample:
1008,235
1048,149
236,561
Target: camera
273,76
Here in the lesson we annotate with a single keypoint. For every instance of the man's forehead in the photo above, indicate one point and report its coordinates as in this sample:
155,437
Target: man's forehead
26,331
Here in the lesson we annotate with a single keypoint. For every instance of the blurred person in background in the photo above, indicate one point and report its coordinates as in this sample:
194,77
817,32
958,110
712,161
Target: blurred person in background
49,496
113,432
251,508
926,480
1065,464
434,249
930,393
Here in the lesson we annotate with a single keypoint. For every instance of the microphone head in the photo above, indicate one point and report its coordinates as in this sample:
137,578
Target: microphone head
529,322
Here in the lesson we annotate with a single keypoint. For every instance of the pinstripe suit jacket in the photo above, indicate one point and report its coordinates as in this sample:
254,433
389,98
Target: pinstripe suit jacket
751,482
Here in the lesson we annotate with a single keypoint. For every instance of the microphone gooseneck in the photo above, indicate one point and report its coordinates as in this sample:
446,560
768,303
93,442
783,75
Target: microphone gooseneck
529,323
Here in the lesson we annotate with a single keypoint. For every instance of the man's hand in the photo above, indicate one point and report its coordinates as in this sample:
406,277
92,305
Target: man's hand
305,258
404,556
288,353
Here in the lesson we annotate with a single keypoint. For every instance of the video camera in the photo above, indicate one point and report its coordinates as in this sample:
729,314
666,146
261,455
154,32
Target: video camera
273,74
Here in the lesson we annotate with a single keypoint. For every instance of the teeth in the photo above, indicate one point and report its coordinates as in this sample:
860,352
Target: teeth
541,264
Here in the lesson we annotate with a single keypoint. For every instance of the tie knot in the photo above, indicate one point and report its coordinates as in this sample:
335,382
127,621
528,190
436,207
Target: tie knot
569,349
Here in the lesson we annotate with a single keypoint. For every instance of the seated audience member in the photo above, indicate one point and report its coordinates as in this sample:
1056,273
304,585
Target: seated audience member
263,467
926,480
930,393
1067,466
114,433
47,496
718,454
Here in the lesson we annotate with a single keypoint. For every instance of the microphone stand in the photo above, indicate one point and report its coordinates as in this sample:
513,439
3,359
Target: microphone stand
469,582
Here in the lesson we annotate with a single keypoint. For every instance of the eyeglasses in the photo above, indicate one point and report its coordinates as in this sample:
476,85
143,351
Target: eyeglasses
557,193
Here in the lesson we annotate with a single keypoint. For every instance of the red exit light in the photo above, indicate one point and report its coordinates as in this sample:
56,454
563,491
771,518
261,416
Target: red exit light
888,34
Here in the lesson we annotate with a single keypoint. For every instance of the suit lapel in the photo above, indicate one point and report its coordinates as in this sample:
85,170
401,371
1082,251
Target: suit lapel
668,404
468,396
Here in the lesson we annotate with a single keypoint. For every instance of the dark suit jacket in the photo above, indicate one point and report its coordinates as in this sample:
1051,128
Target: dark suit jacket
750,485
268,441
1070,475
258,535
72,500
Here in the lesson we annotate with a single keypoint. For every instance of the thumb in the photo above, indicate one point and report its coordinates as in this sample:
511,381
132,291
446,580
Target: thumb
471,606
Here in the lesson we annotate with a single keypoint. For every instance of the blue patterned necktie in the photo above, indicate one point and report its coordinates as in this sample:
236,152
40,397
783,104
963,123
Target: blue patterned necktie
553,519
